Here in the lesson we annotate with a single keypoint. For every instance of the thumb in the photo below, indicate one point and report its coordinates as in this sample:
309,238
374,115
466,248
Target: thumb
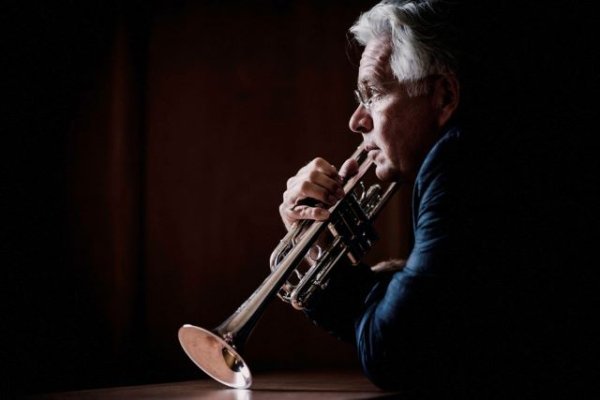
349,168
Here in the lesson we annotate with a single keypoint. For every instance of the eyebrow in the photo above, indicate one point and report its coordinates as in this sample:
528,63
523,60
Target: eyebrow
369,81
377,83
363,83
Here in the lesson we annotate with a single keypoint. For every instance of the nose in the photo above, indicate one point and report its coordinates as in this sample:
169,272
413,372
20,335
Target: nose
360,120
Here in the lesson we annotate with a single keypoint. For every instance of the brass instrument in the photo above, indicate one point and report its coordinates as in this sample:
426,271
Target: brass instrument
217,352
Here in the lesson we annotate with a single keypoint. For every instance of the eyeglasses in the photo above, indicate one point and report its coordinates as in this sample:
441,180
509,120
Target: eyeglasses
367,100
363,100
373,93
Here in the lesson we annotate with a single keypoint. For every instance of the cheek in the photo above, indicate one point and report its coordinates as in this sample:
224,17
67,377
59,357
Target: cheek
387,135
393,136
405,138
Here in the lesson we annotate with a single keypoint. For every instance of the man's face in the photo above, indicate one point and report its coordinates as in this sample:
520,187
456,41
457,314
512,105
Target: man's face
398,130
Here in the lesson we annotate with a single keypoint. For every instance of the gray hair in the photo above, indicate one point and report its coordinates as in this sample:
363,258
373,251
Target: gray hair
419,34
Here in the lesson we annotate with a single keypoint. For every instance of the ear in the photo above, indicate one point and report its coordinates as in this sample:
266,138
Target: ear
446,97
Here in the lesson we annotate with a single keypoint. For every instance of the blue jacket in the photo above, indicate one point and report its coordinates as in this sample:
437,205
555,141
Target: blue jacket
433,327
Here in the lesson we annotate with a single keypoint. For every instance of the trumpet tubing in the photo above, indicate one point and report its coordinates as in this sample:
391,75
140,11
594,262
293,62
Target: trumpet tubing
217,351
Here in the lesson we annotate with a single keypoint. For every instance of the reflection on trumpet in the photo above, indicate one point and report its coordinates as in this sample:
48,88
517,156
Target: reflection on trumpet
350,233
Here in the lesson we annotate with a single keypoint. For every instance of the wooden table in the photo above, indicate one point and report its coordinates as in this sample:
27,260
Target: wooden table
321,385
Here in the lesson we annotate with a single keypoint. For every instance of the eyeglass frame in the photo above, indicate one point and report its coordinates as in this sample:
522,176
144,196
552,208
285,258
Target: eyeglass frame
358,97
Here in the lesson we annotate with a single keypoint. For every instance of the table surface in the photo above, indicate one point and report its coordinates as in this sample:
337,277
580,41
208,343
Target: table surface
323,385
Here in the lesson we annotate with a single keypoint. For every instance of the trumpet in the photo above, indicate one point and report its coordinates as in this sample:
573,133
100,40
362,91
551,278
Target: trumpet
217,351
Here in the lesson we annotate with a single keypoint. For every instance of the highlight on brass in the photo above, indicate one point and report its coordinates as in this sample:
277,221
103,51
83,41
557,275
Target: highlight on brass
299,268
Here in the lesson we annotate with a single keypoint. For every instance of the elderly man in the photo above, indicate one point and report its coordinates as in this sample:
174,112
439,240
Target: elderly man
417,325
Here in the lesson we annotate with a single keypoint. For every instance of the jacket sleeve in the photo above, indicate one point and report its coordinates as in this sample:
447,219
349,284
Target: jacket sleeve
335,308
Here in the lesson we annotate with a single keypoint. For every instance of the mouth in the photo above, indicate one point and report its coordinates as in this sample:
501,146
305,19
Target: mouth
373,152
370,146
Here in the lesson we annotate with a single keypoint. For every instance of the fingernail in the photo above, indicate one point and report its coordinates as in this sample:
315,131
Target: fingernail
332,199
321,213
340,193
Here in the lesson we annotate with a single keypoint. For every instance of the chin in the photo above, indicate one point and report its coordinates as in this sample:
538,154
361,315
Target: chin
386,173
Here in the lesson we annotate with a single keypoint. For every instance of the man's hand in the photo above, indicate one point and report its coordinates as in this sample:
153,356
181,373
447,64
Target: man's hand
317,186
393,264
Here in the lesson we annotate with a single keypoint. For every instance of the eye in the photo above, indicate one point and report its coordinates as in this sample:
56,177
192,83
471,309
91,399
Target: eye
373,93
368,94
376,93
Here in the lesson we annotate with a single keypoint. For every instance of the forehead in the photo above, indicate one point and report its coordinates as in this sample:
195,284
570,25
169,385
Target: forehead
375,62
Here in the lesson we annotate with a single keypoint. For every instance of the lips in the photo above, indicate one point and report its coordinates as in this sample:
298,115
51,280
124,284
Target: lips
373,152
370,147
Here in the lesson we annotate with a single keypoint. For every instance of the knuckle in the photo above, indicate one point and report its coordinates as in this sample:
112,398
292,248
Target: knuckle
320,162
314,161
313,175
305,186
304,213
287,212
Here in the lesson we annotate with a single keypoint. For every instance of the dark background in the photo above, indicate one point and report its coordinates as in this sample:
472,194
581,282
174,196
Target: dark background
146,145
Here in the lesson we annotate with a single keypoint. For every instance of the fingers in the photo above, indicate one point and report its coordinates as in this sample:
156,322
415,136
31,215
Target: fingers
319,182
295,213
321,172
394,264
349,168
307,212
315,185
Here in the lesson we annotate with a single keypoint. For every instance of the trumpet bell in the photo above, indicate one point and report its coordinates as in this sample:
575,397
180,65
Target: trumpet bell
215,357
